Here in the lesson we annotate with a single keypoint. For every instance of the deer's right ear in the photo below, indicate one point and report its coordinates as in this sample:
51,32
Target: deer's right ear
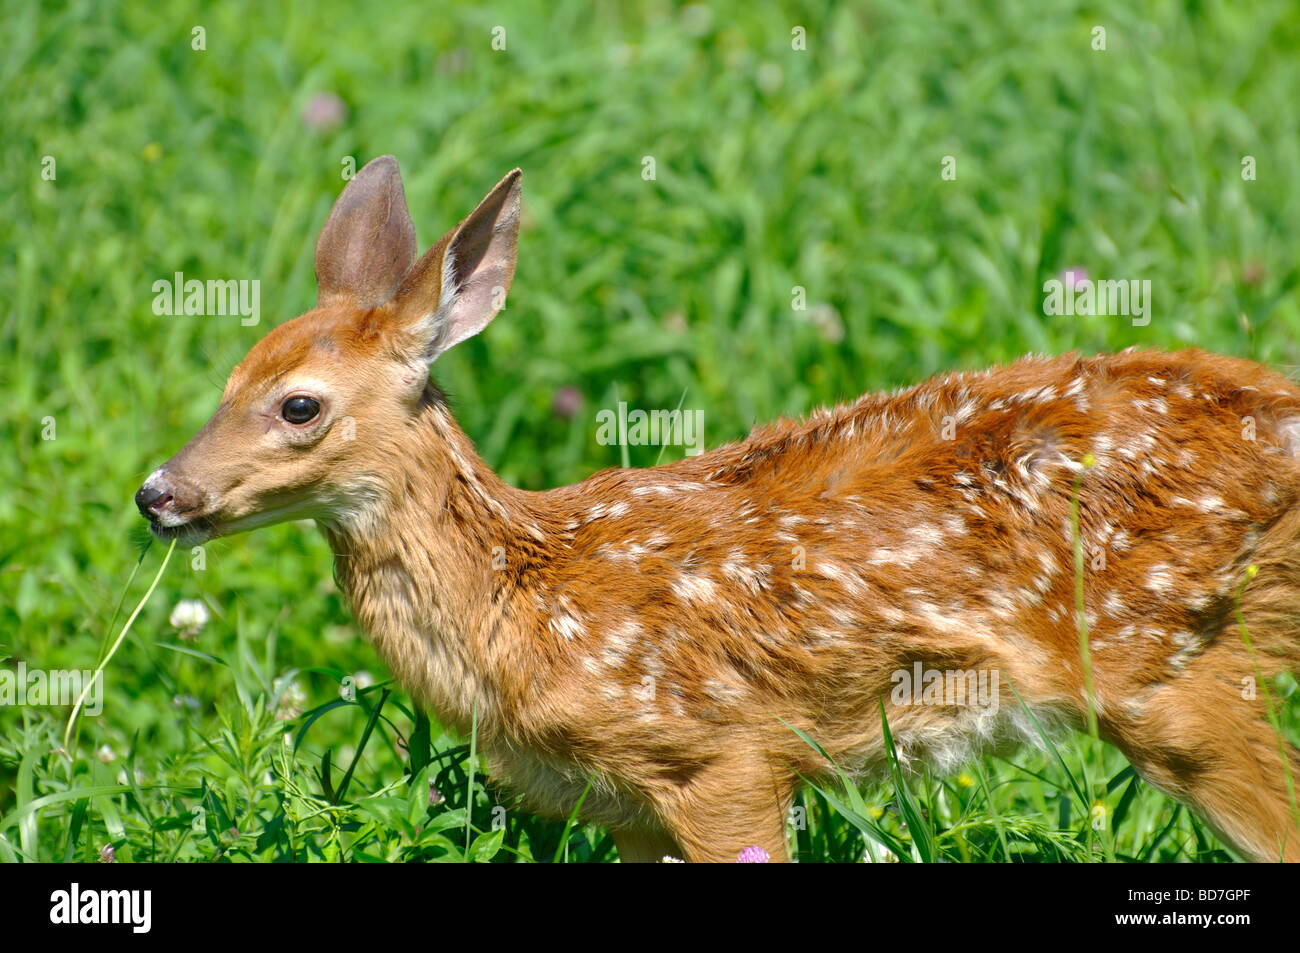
460,284
368,243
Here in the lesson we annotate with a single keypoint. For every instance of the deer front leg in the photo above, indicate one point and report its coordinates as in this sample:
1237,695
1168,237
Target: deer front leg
728,807
643,846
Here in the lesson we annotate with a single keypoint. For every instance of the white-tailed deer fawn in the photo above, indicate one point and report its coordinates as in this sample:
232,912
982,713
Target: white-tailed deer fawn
655,630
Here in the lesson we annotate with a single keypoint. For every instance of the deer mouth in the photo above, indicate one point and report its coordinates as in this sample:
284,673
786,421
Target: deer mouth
173,506
194,531
201,528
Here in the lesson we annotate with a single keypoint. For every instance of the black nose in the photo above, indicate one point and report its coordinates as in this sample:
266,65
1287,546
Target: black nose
151,501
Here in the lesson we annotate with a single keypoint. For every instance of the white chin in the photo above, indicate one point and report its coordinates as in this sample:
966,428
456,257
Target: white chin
186,534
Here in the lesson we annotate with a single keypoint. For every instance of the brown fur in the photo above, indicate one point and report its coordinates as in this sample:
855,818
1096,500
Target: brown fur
654,629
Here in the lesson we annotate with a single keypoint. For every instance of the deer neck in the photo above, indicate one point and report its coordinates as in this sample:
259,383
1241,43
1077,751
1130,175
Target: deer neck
432,571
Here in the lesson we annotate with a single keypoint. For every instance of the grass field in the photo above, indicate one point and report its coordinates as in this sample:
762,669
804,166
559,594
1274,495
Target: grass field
919,171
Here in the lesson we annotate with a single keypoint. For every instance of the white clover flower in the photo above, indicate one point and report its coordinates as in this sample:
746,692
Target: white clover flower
826,319
106,754
292,700
768,78
188,618
886,857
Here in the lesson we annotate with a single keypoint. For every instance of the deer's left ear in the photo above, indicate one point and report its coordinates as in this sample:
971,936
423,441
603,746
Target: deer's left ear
368,242
457,288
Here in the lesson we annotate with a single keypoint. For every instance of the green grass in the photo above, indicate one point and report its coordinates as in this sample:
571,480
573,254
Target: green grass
775,168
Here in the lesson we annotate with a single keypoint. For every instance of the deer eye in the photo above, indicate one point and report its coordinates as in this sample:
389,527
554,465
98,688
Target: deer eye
299,410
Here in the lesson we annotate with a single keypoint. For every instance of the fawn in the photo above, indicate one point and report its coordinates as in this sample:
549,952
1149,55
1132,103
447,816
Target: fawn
659,631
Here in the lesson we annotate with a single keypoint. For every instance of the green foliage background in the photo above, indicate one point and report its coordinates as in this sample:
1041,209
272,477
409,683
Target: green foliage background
775,168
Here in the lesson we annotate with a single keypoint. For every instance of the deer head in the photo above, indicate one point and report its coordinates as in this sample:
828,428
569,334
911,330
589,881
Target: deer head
308,418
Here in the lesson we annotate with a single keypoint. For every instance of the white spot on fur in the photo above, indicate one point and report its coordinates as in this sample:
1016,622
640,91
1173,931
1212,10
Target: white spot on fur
1159,578
567,626
619,641
694,588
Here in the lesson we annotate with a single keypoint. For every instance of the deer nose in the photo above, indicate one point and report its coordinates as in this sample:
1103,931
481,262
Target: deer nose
151,501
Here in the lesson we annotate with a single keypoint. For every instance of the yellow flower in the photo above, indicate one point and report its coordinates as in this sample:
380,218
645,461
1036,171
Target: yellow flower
152,152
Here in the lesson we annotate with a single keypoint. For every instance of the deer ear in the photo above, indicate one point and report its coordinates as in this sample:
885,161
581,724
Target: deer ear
368,242
460,284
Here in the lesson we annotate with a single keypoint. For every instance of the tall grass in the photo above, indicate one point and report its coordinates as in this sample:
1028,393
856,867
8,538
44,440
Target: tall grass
776,169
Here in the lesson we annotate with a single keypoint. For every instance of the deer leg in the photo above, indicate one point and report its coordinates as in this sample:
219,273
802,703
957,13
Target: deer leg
728,807
1201,742
642,846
